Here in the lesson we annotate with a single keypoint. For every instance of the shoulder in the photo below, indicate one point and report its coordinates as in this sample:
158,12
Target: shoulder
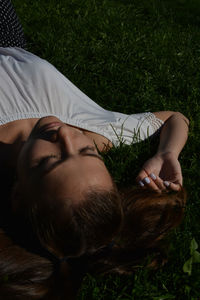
21,58
165,115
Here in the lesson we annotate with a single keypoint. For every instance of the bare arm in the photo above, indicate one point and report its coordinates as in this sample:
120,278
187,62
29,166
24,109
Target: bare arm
174,132
163,170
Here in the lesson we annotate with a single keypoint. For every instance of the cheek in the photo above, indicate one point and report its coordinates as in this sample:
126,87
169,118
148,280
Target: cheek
33,148
24,158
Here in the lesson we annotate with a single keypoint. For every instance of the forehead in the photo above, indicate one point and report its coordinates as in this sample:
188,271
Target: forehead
74,176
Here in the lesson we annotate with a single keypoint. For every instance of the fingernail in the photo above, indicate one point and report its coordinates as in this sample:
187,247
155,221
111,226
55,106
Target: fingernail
146,180
153,176
166,183
141,183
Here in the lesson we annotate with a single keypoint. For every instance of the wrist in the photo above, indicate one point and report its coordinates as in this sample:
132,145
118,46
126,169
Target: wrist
167,154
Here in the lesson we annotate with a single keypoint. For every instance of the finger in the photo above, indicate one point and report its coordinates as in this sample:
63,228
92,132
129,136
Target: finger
141,175
172,186
158,181
150,184
146,182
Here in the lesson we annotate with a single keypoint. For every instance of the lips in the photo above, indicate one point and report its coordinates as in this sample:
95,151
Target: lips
47,131
49,126
52,123
39,128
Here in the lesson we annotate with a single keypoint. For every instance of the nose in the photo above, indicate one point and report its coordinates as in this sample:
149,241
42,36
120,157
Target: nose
68,138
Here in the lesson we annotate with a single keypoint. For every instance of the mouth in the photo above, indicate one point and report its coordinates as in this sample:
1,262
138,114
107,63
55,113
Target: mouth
42,125
51,125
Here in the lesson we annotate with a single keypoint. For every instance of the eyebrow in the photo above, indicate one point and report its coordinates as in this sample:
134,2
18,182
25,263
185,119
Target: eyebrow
82,153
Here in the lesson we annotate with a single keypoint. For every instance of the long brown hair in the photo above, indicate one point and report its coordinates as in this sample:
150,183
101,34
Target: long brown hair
135,222
68,229
25,275
50,230
22,274
148,218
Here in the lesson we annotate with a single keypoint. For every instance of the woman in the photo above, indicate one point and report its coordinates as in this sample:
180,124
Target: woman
66,211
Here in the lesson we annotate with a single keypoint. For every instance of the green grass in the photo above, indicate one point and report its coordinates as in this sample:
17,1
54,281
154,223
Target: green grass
132,56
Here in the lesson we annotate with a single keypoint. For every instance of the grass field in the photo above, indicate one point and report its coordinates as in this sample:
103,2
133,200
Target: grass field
132,56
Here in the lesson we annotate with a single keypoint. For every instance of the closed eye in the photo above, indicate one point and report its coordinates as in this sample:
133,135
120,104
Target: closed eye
42,160
86,151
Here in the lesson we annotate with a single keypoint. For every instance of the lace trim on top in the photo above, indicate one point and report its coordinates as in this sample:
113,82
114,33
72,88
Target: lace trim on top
154,121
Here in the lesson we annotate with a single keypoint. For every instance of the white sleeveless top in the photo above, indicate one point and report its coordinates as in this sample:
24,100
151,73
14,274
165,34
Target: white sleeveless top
30,87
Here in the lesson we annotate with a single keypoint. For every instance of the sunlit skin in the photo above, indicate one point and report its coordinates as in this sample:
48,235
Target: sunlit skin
74,165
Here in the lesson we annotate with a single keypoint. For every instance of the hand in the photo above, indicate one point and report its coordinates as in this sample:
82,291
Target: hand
161,172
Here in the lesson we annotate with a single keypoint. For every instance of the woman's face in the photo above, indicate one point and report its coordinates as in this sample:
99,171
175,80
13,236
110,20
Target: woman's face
60,160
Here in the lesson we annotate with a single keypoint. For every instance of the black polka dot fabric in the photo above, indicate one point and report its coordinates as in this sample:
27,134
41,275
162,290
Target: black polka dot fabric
11,32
